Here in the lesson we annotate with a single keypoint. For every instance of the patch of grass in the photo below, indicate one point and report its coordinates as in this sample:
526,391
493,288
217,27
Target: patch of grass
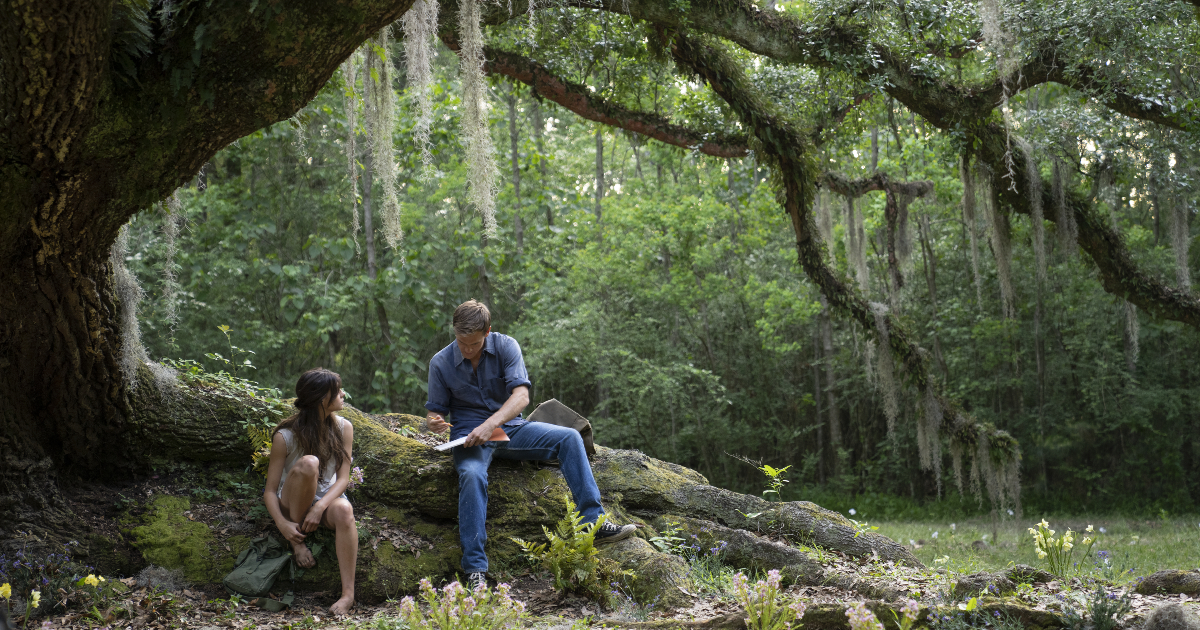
1131,547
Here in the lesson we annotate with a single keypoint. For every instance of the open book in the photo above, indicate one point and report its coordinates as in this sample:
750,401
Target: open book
498,435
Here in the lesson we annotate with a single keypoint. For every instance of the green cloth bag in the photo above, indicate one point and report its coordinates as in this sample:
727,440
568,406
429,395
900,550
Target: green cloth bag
259,566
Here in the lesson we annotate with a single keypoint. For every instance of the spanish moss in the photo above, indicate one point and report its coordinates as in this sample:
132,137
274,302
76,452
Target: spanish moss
381,120
1033,179
420,25
481,158
350,102
886,374
170,279
129,295
969,214
1068,232
1001,234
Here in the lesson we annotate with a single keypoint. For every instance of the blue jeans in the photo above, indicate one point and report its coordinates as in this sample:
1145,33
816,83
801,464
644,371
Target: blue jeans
530,441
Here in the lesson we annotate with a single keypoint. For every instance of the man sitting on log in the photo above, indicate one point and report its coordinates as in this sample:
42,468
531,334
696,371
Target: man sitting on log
480,381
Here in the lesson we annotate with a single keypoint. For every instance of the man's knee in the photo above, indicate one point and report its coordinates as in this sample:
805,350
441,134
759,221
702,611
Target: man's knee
472,475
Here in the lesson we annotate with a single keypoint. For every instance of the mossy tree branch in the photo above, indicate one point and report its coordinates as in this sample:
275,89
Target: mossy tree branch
578,99
790,150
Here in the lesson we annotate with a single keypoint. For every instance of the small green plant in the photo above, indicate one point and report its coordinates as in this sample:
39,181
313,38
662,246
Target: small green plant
863,527
1103,611
763,605
775,480
909,613
456,608
971,617
670,541
571,557
235,353
1059,553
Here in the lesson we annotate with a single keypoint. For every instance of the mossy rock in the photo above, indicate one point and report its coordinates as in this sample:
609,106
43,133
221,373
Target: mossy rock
657,578
1170,583
744,549
166,537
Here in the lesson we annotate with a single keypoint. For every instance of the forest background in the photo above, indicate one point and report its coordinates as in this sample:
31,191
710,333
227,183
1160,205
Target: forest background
656,290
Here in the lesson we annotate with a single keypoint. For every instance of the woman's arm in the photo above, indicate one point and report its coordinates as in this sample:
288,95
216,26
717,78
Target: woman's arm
286,527
313,518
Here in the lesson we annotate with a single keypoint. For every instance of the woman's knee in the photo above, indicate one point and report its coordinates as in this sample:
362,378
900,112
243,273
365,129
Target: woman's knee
306,466
341,513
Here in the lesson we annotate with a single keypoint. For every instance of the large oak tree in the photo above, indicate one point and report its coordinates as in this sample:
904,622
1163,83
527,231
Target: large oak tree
109,106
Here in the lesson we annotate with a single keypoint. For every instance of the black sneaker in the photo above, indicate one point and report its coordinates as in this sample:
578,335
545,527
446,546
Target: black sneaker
611,533
477,581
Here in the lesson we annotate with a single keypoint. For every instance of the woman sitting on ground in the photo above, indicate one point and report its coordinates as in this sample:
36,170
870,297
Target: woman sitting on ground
308,474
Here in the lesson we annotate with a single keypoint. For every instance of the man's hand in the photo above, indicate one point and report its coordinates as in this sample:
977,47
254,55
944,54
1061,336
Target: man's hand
436,423
481,434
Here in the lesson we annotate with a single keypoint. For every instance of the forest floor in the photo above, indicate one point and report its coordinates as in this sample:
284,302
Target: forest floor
1132,548
953,555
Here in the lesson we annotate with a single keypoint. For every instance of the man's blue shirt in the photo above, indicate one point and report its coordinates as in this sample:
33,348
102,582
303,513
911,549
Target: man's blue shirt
469,396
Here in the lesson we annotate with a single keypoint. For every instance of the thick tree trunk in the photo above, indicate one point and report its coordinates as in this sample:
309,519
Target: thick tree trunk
63,404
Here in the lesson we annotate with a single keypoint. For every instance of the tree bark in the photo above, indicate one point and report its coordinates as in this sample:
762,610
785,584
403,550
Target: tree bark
514,139
599,171
82,152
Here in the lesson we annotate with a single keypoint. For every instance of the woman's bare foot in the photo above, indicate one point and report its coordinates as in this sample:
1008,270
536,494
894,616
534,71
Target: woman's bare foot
304,557
343,605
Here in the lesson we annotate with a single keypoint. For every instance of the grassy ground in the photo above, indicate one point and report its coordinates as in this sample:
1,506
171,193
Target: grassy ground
1136,547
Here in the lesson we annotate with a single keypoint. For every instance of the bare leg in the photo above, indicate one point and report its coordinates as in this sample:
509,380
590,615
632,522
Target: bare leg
297,499
340,518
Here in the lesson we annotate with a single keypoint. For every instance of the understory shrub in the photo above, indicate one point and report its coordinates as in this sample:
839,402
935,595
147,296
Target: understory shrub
570,555
456,608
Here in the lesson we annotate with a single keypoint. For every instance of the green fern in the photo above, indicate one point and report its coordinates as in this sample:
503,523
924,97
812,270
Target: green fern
131,38
570,555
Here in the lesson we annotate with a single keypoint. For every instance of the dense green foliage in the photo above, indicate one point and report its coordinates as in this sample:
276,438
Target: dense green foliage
679,322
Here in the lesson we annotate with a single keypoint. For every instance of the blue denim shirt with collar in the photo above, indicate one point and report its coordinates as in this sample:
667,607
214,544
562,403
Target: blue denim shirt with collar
468,397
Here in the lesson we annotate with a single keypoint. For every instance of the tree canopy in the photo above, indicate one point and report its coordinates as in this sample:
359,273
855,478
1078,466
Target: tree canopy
1065,130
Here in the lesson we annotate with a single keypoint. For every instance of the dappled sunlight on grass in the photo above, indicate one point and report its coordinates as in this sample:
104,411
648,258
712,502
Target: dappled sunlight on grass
1126,549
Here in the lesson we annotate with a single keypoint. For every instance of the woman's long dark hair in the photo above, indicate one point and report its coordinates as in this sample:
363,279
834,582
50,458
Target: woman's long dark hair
317,436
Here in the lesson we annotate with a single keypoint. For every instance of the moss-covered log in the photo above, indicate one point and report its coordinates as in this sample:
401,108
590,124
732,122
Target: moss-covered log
411,495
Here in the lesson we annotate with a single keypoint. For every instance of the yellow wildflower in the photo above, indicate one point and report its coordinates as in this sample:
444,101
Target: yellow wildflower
6,590
1067,545
1089,529
1041,554
1044,523
101,578
91,580
37,598
1087,540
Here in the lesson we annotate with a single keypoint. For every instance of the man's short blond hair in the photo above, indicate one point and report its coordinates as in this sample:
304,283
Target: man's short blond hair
471,317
